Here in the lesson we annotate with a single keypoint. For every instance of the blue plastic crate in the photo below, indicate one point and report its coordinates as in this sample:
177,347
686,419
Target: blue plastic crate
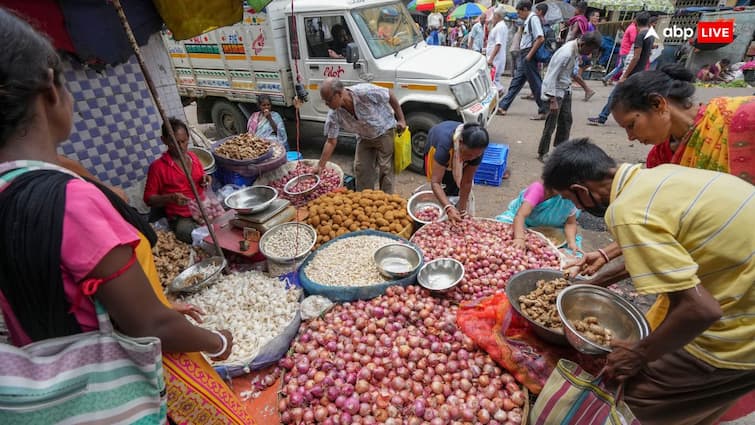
229,177
293,156
493,165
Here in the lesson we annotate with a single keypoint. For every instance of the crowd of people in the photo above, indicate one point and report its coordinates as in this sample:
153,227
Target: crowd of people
679,222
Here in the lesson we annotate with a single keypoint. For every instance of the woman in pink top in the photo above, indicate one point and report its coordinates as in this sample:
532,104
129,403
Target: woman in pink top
627,41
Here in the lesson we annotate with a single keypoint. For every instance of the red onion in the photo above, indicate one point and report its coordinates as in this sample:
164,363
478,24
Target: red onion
329,181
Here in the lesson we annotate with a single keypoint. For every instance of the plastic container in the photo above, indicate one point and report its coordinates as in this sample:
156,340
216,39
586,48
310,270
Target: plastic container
491,170
351,293
226,177
293,156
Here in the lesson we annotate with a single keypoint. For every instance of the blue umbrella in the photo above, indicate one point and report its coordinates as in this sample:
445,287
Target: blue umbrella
467,10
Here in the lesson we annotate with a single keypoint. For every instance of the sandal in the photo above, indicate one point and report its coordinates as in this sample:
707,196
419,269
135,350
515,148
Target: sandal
589,95
500,112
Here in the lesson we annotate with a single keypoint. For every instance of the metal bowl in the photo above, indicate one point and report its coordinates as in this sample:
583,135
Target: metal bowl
525,282
613,312
397,260
421,200
183,284
441,275
205,157
291,183
251,199
274,232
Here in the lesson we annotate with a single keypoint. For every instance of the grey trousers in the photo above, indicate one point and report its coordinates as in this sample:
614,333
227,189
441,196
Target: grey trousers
560,121
373,162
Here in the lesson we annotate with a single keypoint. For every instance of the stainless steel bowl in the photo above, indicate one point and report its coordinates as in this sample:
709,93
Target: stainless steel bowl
441,275
251,199
525,282
421,200
397,260
307,232
613,312
291,183
206,272
205,157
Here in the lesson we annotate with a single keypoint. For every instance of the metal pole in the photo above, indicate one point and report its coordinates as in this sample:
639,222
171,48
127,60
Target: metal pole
164,116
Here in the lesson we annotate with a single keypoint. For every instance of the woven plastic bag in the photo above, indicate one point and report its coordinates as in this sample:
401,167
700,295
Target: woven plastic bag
402,150
190,18
573,396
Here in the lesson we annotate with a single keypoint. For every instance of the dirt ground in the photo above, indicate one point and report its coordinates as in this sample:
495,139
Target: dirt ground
522,135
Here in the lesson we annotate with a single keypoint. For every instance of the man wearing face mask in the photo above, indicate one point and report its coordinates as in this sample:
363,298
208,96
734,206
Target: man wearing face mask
683,233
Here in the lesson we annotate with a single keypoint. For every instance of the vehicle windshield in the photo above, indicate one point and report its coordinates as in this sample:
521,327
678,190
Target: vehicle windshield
387,28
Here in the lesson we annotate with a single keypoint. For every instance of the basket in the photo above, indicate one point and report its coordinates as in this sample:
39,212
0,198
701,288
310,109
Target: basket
220,159
246,169
352,293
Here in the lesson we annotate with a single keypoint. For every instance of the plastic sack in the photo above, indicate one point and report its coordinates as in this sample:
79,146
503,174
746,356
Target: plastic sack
190,18
402,150
571,392
352,293
507,337
315,306
212,207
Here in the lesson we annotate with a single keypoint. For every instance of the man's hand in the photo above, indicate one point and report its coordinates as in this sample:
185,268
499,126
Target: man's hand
453,215
623,362
190,310
179,199
206,180
589,264
490,63
400,126
554,105
316,170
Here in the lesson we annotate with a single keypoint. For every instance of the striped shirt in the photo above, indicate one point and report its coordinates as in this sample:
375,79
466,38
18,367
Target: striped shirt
374,115
679,227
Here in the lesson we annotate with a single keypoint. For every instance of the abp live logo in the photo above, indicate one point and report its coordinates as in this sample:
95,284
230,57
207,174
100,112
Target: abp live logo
715,31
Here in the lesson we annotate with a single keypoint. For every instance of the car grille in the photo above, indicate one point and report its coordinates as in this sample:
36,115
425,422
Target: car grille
481,84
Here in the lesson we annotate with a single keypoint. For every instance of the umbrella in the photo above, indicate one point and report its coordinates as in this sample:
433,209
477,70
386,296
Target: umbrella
467,10
412,6
507,8
663,6
558,11
424,5
256,6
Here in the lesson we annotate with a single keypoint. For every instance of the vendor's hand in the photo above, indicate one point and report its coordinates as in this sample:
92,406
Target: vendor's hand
228,350
179,199
400,126
266,113
206,180
454,215
590,263
190,310
623,362
520,244
316,170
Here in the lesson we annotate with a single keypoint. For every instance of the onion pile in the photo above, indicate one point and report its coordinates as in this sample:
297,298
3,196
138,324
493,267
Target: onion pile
329,181
397,359
428,214
485,248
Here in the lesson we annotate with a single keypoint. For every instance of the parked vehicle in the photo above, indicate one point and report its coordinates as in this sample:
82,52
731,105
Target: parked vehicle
358,41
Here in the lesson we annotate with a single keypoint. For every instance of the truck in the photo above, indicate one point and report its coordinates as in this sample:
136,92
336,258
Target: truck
295,45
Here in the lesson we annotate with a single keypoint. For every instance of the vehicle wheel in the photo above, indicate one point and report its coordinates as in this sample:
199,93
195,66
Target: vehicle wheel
419,124
228,119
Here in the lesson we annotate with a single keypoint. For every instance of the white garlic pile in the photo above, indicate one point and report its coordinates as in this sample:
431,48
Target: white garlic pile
348,262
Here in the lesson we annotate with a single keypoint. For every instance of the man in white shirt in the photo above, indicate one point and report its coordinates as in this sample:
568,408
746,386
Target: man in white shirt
527,69
556,89
496,48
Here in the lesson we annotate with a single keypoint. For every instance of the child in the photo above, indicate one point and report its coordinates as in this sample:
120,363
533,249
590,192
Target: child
537,206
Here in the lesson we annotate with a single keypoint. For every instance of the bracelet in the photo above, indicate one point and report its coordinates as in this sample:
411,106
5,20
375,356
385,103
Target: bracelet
603,253
223,348
445,209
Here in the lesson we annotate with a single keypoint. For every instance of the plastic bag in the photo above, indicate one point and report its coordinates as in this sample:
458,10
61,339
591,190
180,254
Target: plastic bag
315,306
212,206
402,150
507,337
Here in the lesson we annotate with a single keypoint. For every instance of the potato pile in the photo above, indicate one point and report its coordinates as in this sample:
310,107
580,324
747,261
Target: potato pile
540,304
592,330
243,147
337,213
171,256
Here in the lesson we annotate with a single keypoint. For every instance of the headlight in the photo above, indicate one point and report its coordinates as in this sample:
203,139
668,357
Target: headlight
464,93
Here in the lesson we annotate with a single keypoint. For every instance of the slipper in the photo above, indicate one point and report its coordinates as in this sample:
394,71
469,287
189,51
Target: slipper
589,95
527,97
538,117
500,112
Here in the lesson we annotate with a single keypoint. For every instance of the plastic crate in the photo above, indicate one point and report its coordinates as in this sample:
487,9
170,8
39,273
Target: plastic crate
493,165
226,176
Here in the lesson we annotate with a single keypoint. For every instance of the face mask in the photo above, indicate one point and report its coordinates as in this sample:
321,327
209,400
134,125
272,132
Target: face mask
598,209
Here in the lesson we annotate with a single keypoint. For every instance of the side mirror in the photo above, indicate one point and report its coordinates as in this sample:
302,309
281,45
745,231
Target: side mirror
352,53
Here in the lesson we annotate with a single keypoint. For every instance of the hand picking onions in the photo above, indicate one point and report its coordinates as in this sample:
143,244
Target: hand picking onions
395,359
485,248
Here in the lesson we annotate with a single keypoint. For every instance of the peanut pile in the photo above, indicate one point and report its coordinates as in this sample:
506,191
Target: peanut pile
337,213
243,147
540,304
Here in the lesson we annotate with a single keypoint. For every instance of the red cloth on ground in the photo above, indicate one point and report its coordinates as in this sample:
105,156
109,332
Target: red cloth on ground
659,155
165,176
47,17
507,337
